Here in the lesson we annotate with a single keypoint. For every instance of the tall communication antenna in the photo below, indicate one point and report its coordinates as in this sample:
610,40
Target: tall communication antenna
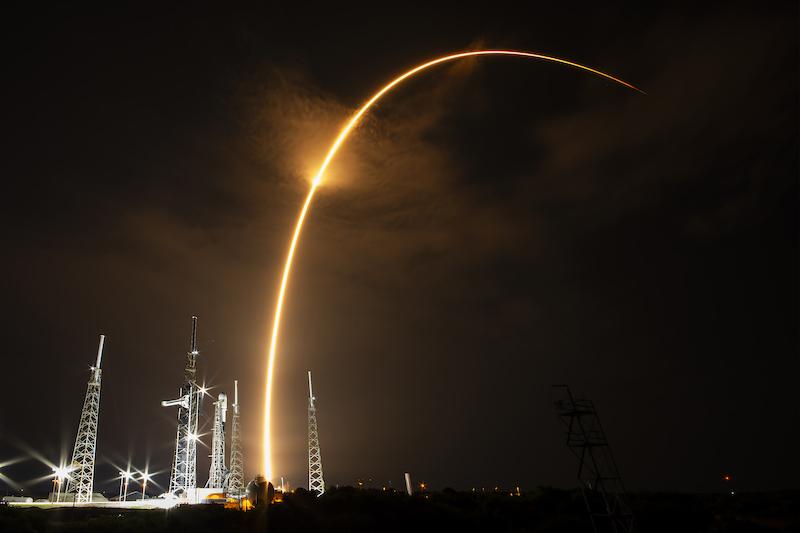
184,463
601,483
81,478
236,479
315,481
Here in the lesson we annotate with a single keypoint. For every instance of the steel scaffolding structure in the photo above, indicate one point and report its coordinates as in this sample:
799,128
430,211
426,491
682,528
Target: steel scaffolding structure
217,473
316,483
81,475
184,463
236,478
601,484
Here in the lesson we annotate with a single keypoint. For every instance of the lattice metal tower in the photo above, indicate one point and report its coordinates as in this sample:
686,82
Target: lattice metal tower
81,477
236,477
601,484
217,473
184,464
315,481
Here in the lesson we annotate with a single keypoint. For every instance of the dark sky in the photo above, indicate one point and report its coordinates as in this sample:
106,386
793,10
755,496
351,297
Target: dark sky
495,227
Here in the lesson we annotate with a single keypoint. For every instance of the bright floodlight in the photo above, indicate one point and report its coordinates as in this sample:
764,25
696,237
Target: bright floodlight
61,472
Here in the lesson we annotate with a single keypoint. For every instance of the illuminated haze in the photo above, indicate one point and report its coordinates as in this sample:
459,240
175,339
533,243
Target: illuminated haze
319,176
492,228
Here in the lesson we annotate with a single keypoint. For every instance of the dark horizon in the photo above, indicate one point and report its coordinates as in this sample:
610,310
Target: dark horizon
494,228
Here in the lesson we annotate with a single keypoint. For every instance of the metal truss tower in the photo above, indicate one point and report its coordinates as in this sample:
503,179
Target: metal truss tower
315,481
184,464
217,474
601,484
236,477
81,476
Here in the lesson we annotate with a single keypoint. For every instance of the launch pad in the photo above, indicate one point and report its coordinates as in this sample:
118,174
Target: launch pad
73,483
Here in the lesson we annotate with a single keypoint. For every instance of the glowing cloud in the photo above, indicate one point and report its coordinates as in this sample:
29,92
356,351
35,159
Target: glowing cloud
338,142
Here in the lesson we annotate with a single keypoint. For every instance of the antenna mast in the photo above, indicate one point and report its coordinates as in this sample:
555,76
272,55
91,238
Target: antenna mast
82,469
315,480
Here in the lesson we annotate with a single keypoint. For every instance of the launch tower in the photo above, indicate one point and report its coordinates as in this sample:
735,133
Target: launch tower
81,477
217,473
184,464
315,481
236,479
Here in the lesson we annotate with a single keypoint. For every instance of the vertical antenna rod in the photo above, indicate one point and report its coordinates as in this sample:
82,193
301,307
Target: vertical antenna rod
100,351
193,342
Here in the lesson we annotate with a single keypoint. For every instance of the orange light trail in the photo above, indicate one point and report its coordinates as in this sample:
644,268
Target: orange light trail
340,139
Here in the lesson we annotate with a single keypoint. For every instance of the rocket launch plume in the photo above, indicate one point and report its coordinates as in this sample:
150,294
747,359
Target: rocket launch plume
338,142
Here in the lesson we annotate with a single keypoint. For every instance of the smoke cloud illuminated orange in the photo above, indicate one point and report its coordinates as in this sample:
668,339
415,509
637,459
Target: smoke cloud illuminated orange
340,139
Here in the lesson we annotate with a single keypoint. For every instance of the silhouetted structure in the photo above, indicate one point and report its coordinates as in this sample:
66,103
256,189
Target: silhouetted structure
598,474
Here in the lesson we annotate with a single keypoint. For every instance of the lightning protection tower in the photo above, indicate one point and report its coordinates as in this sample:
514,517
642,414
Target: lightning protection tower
315,481
217,473
236,478
184,464
601,483
81,479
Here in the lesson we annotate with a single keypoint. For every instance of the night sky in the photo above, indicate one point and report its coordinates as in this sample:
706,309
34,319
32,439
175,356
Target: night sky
497,226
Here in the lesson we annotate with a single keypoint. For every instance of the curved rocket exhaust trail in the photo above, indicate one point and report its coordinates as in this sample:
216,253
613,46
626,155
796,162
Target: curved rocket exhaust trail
340,139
